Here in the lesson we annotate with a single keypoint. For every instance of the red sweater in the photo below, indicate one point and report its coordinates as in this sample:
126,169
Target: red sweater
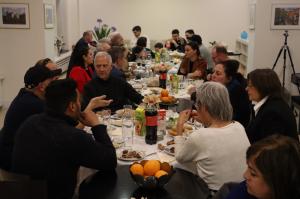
80,76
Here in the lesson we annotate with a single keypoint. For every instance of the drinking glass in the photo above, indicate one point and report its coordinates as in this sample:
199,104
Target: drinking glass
127,130
127,110
105,114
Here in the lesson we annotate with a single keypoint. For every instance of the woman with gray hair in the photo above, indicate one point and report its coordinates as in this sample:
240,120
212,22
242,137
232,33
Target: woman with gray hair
218,150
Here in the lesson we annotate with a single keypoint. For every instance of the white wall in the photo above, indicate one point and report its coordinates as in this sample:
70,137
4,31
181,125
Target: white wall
220,20
267,43
68,22
20,49
50,34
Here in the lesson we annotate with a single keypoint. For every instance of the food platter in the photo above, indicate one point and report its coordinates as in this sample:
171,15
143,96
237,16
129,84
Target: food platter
130,155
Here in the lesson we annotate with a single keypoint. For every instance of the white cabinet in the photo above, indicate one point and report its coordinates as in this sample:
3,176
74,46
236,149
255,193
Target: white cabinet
241,46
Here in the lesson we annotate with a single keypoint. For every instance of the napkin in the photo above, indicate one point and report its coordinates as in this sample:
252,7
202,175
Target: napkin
165,157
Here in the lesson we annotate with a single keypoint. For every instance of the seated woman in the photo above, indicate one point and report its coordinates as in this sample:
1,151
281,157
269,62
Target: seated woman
82,72
218,150
192,65
226,74
271,113
273,170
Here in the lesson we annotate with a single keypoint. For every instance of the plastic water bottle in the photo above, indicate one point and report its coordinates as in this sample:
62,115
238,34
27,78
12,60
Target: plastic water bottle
161,124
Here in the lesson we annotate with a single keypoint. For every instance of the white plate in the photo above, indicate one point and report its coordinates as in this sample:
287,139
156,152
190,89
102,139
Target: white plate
142,154
168,151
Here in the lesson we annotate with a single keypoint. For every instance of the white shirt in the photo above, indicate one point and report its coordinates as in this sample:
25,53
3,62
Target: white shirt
218,153
257,105
134,40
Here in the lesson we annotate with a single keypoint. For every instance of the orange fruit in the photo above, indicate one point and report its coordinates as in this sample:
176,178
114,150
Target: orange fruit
164,99
137,169
151,167
164,93
160,173
166,167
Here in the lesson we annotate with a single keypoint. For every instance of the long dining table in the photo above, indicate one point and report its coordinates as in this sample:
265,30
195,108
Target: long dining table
118,184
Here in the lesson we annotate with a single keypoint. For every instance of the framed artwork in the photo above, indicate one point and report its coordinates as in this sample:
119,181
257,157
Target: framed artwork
285,16
252,16
14,15
49,15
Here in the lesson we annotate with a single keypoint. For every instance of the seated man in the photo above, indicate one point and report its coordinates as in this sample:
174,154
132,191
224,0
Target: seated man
29,101
49,147
103,45
137,30
116,39
219,54
114,88
119,59
177,42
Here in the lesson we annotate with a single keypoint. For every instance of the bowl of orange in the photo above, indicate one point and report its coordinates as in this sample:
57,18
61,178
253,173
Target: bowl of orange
151,174
166,99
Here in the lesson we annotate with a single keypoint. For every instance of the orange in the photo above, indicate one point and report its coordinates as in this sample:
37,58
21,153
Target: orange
151,167
137,169
164,99
164,93
166,167
160,173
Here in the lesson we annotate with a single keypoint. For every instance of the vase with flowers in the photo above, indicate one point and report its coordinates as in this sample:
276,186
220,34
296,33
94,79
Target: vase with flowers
102,30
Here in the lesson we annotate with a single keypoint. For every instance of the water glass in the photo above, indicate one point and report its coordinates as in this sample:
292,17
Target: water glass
127,130
127,110
105,114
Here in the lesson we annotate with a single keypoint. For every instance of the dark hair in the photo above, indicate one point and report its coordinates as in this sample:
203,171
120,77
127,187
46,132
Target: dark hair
117,52
194,46
142,41
137,28
277,157
221,49
175,31
86,33
43,62
137,50
231,68
158,45
190,31
197,39
266,82
59,94
79,61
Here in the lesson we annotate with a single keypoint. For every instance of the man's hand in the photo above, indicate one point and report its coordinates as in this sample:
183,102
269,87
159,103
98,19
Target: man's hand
89,118
97,102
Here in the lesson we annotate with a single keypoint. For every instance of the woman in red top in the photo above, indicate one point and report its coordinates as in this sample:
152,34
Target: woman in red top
82,72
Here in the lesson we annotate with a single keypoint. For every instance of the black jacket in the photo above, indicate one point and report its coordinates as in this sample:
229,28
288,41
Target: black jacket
23,106
120,91
49,147
273,117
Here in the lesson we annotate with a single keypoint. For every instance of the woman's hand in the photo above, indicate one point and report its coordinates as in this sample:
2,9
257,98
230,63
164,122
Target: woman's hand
97,102
183,118
196,73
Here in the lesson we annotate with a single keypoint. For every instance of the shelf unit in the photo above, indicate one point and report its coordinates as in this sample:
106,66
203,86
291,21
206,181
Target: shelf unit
241,46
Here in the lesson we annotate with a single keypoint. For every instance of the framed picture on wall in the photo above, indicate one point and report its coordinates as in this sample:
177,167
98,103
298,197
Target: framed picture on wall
14,15
49,15
285,16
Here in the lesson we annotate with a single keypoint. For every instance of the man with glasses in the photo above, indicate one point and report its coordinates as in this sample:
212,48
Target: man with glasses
114,88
